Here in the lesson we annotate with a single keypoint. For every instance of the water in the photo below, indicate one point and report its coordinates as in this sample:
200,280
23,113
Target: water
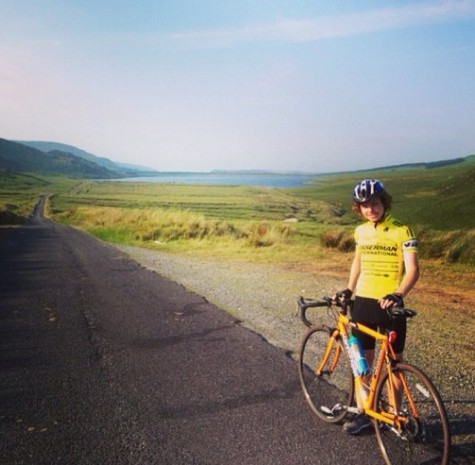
231,179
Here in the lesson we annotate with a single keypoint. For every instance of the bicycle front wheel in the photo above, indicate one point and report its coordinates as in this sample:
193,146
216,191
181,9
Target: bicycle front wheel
325,374
422,436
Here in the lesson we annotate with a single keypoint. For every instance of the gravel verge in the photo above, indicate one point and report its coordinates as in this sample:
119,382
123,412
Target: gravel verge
261,296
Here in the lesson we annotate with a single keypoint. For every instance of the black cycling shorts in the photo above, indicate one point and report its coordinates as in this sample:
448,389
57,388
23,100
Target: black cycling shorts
368,312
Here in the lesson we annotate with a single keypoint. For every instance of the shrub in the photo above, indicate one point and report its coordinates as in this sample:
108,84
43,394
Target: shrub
223,228
266,234
331,238
340,239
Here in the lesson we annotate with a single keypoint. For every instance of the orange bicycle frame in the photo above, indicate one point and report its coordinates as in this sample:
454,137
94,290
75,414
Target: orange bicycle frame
328,350
386,355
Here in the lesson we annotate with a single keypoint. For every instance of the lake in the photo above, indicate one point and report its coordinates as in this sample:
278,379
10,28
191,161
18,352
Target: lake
237,179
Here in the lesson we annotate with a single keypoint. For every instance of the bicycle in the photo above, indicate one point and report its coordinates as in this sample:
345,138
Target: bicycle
411,424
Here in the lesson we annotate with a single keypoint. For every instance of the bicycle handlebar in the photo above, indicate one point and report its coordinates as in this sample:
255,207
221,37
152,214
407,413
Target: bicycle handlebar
309,303
304,304
398,312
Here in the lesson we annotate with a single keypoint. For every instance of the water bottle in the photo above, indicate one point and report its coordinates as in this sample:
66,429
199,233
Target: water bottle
362,366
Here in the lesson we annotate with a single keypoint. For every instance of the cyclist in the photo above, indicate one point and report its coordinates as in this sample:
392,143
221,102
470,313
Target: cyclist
385,268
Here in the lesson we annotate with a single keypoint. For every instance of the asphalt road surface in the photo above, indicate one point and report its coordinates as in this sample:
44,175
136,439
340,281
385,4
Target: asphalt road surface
104,362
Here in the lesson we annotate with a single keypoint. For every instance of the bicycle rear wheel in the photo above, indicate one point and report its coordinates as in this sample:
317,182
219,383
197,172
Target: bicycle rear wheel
330,391
425,437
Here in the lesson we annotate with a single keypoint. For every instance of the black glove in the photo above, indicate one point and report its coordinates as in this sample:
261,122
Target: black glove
396,298
344,295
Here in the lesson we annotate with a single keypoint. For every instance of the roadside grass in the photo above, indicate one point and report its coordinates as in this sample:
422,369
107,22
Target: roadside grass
448,246
179,229
16,209
19,194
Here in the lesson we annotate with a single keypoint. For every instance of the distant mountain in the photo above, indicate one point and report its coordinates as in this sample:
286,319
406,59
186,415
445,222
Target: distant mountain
123,169
20,158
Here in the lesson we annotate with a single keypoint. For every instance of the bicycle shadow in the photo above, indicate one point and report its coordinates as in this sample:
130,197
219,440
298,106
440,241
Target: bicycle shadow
461,415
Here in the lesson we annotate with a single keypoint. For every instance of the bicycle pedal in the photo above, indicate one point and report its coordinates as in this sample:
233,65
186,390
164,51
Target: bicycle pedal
336,409
326,410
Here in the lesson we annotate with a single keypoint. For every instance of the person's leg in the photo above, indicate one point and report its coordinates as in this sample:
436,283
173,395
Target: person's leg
365,311
398,385
362,313
399,326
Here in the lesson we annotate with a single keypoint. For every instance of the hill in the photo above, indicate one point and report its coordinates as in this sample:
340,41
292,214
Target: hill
21,158
123,169
426,165
438,195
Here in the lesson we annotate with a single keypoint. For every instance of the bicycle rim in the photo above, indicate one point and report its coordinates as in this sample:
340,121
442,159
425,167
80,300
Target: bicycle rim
328,394
425,437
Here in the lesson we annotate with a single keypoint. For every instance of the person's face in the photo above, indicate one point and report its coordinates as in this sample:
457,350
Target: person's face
372,210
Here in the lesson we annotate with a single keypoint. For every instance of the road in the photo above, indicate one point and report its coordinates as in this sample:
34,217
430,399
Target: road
104,362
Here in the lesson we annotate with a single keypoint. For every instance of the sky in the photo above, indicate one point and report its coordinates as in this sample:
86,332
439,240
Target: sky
199,85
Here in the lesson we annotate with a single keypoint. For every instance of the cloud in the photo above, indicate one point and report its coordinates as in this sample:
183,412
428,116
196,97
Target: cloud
321,28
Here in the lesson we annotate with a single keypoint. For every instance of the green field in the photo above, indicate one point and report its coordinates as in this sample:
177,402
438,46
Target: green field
439,203
271,224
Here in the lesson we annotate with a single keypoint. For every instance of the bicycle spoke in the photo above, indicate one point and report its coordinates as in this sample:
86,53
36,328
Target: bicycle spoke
326,381
422,436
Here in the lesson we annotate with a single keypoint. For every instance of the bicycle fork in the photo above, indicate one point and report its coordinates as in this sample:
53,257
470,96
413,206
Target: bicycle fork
336,356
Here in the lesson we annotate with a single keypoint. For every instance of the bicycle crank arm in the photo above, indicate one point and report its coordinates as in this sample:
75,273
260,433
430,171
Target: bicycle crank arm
335,410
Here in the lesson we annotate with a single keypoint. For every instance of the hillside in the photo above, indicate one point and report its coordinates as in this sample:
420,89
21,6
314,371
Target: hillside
23,159
125,170
437,195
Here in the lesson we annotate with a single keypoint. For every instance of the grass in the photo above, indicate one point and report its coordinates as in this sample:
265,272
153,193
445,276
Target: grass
233,220
177,216
222,202
19,194
439,198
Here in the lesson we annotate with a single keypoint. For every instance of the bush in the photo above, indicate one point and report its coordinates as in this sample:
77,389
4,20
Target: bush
340,239
266,234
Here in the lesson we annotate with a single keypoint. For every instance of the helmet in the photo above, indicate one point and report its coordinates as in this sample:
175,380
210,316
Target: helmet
368,189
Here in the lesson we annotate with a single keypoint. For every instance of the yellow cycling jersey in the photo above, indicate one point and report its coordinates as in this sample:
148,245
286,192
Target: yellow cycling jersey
381,247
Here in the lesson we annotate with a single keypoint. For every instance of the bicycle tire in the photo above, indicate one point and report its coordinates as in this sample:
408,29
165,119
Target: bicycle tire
330,393
425,439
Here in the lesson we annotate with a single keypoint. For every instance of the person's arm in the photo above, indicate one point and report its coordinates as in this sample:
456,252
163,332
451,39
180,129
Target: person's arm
354,272
352,280
411,265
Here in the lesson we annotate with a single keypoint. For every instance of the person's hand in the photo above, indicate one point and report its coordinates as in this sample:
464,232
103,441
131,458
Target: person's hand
391,300
343,296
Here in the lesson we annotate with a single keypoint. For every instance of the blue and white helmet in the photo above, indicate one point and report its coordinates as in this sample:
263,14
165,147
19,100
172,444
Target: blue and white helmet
367,190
